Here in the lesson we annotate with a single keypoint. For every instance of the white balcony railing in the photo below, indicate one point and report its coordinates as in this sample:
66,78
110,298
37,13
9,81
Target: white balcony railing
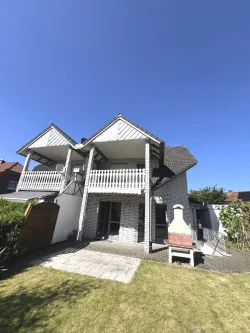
117,181
41,181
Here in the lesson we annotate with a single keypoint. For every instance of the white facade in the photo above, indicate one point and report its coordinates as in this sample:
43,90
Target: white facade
118,162
68,217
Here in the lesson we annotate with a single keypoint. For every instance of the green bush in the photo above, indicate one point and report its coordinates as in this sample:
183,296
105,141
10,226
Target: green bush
235,217
11,220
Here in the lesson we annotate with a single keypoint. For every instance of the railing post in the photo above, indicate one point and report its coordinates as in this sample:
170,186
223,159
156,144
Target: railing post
25,168
85,194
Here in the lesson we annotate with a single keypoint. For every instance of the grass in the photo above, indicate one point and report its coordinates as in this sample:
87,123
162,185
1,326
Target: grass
161,298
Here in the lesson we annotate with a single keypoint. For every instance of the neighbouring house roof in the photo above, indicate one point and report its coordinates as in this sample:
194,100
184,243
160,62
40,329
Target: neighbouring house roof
11,166
177,159
241,195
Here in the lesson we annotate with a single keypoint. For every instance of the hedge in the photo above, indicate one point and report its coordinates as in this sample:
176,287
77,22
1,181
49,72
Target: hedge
11,220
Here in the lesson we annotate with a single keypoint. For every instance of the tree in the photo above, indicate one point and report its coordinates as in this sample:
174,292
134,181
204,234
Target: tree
208,195
235,217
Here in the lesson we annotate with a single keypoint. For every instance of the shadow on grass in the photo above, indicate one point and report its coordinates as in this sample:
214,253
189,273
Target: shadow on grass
20,263
32,310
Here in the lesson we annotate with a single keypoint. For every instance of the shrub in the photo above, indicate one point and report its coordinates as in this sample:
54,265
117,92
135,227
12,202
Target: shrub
11,220
236,219
208,195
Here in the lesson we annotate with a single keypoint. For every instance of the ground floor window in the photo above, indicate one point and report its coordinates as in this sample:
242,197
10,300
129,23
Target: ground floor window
160,221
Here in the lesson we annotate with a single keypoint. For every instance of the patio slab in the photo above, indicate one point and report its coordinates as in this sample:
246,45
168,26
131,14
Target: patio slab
92,263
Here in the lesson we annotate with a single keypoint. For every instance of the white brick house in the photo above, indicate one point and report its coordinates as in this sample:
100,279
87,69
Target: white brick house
128,171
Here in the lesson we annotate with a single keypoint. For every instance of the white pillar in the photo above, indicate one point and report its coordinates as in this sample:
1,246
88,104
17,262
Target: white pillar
85,194
25,168
67,168
147,198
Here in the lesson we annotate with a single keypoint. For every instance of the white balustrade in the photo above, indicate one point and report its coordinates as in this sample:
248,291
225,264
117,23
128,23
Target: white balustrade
41,180
126,180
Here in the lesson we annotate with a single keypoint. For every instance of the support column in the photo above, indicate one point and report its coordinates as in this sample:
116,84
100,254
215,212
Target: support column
147,198
25,168
85,194
67,168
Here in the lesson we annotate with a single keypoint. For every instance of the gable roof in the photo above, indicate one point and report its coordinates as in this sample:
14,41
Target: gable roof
11,166
122,117
66,137
177,159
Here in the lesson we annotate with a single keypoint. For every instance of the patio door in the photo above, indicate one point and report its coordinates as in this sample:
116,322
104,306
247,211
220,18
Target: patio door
109,219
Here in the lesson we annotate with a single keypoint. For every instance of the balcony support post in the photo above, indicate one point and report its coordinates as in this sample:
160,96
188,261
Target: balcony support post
25,168
147,231
82,216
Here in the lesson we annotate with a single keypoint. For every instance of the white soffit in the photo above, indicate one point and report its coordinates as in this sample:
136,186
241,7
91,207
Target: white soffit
51,138
120,130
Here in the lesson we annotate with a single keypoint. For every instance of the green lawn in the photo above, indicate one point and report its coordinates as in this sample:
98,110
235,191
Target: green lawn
161,298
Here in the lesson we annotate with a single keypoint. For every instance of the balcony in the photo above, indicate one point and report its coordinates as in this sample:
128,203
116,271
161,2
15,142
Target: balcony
131,181
41,181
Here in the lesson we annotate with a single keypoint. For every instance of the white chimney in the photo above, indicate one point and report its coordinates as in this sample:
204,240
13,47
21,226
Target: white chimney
179,233
179,226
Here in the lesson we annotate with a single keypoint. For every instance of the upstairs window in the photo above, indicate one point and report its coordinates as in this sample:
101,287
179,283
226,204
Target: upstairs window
141,166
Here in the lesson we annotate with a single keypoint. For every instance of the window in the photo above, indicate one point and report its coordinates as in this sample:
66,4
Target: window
12,185
140,166
160,221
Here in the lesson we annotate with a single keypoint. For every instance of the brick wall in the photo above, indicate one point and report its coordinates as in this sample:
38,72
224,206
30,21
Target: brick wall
129,215
174,192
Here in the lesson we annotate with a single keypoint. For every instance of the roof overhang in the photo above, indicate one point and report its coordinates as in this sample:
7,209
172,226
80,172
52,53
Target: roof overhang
43,146
122,138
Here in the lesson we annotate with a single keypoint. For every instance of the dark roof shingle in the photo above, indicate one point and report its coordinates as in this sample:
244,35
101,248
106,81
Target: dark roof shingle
177,159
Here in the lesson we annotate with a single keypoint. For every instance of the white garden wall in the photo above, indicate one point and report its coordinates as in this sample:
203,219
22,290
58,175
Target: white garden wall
68,217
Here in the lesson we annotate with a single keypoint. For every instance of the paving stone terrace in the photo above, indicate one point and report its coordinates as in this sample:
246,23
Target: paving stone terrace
92,263
239,262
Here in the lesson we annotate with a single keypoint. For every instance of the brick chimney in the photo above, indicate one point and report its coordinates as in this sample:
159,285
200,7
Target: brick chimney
2,161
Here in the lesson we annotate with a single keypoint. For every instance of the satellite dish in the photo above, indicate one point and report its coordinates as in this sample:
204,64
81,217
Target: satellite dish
60,168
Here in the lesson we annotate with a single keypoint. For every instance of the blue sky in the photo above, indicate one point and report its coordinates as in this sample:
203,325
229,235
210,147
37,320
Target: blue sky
181,69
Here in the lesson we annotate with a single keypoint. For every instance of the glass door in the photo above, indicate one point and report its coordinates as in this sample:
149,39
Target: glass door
115,218
103,220
108,219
